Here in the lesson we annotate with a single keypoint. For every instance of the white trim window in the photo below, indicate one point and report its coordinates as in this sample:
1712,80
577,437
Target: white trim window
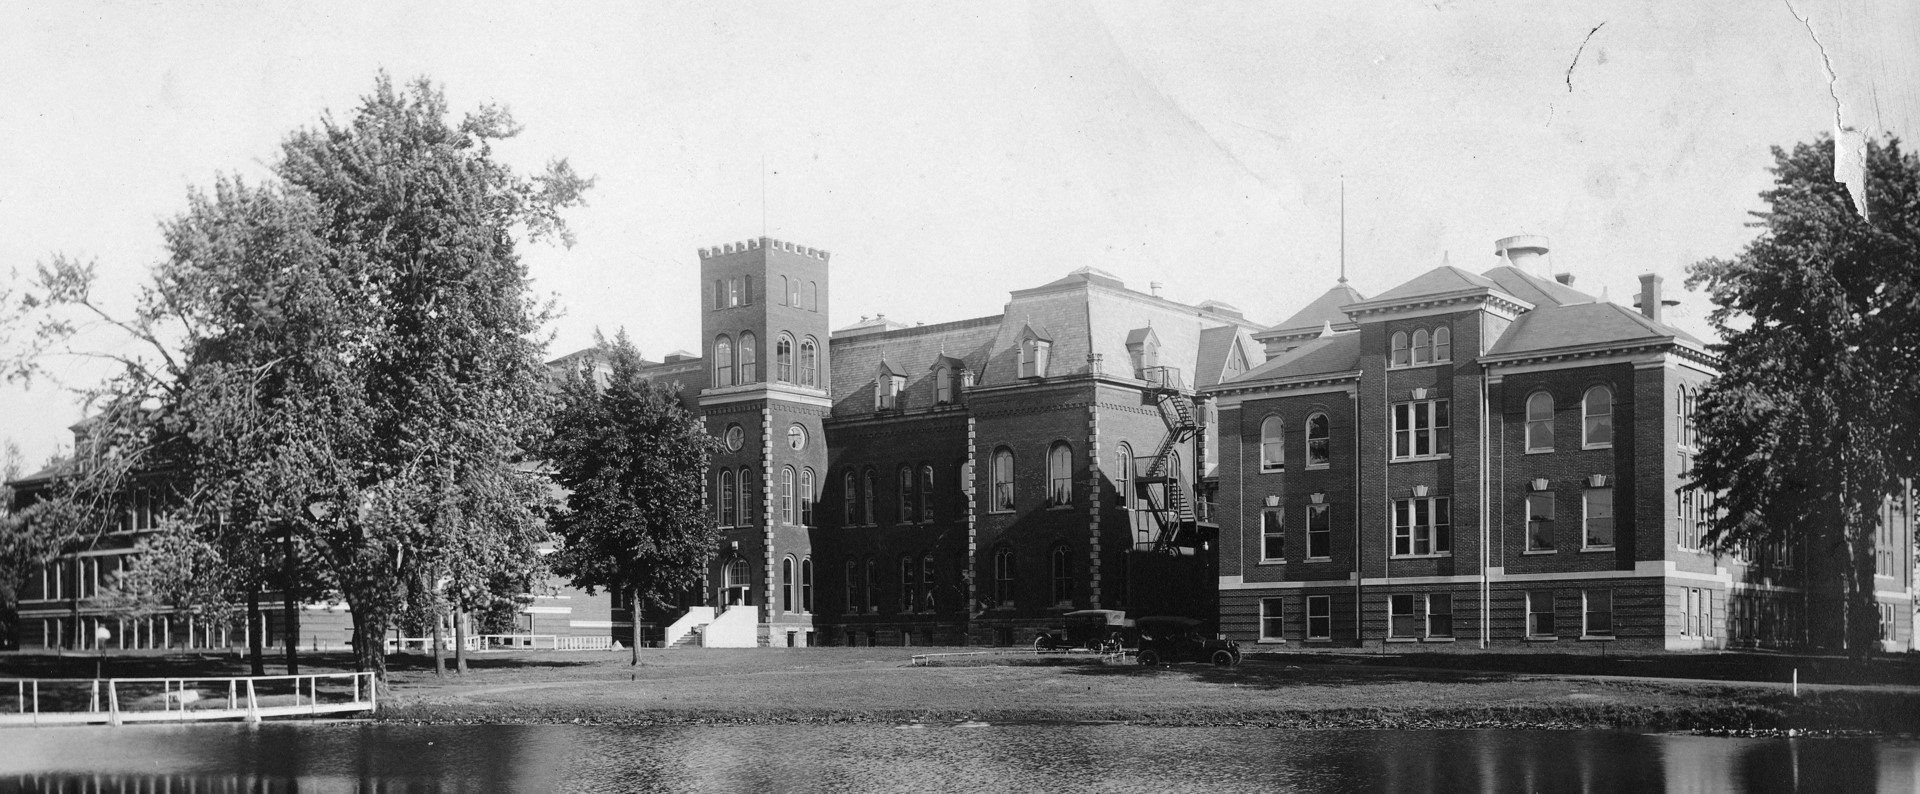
1273,444
786,495
1540,422
1319,617
1422,348
1060,475
1598,509
1003,576
806,498
1402,621
1400,350
1439,614
1319,532
1540,614
1596,613
1422,527
1540,521
1596,414
1420,429
1273,536
1273,619
1002,471
1319,441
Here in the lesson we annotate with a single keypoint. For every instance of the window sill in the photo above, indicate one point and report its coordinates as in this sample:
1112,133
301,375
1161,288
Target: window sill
1060,507
1585,549
1000,512
1585,447
1595,638
1273,469
1420,556
1423,365
1319,640
1436,639
1319,466
1546,451
1421,458
1539,551
1270,641
1318,559
1272,562
1543,639
1403,639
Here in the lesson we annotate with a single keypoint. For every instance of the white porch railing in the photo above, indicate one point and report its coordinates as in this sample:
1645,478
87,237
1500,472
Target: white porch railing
115,701
508,642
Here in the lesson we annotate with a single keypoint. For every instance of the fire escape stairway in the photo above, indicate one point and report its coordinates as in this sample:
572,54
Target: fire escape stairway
1171,508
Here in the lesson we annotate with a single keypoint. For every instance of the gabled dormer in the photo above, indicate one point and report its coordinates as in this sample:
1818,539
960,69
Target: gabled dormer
950,378
1143,349
1035,348
889,386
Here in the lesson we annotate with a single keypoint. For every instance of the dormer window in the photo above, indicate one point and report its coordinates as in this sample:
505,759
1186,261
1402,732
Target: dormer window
1033,358
889,386
1143,346
943,386
947,375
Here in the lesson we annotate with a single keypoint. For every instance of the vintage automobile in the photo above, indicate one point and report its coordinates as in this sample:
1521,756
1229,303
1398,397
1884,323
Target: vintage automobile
1097,630
1166,640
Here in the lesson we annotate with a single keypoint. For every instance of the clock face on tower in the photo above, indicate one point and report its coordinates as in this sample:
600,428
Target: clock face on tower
797,437
735,437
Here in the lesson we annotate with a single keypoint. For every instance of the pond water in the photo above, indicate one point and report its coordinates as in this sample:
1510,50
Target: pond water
346,757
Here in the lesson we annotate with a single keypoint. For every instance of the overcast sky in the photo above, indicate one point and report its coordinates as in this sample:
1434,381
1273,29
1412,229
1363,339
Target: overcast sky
949,153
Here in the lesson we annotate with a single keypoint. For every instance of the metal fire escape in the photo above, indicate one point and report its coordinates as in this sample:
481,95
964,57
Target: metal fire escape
1159,488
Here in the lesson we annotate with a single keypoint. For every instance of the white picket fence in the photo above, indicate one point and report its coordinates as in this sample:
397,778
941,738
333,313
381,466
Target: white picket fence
116,701
507,642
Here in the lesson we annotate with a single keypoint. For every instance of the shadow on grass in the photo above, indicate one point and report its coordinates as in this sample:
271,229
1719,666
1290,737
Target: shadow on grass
188,665
1262,673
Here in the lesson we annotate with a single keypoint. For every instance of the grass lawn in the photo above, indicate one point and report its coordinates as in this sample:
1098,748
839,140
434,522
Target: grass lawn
813,685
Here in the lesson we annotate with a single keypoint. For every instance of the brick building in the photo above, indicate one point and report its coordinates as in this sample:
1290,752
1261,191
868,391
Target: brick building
1492,460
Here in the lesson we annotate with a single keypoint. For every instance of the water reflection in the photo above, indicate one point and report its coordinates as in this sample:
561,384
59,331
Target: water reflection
386,758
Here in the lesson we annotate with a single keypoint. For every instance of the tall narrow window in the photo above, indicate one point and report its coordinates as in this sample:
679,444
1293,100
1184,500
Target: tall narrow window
1060,475
1597,424
749,356
1599,613
1540,521
1442,344
1439,615
809,363
722,361
1319,442
1540,614
1003,576
719,294
1402,621
1062,575
726,498
786,584
1272,626
806,497
1400,358
1033,358
869,496
813,296
904,480
783,359
869,584
926,492
747,496
1319,532
783,290
806,584
942,385
1422,353
746,290
1125,468
1273,444
1599,518
786,495
793,293
1273,536
733,292
909,575
1319,617
853,586
1002,470
850,492
1540,422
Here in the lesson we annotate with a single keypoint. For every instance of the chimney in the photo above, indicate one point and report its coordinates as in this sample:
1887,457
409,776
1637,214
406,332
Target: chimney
1650,303
1527,253
1154,286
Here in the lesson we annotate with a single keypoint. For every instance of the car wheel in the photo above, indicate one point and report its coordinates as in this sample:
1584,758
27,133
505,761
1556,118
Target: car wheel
1040,643
1224,658
1150,658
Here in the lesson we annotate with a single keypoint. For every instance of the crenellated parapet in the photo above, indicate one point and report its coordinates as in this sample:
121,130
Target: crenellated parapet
763,242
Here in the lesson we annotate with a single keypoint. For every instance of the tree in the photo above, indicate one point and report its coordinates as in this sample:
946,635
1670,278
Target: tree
633,464
1813,422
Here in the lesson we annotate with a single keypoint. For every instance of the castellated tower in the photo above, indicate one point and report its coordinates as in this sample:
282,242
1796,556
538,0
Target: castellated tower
764,308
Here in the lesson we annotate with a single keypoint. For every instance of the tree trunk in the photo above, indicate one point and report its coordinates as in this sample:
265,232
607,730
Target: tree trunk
634,612
289,604
256,644
1862,609
368,652
439,653
460,641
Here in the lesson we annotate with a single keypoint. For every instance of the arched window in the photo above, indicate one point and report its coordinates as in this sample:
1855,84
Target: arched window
719,294
747,494
853,586
1125,468
783,359
1421,352
786,495
1540,422
726,497
1442,344
942,385
793,293
1062,575
746,290
850,492
926,492
1059,475
1273,444
1680,416
1597,415
813,296
739,583
1319,441
1002,470
806,584
926,583
786,584
749,356
1399,349
806,497
722,361
783,290
1003,576
869,493
909,577
904,480
809,363
866,586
